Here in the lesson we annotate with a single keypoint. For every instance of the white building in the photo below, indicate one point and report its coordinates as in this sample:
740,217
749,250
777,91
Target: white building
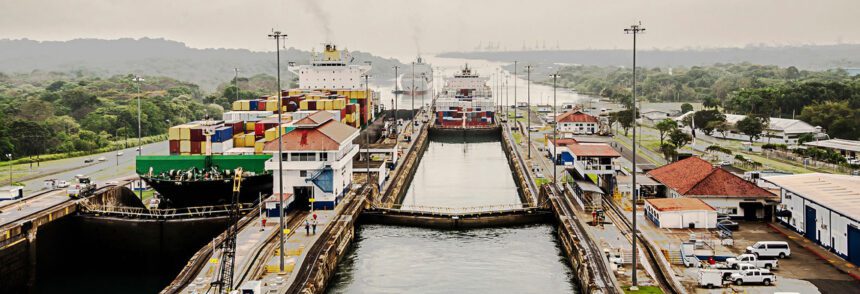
777,130
824,208
730,194
654,116
575,122
850,149
680,213
317,159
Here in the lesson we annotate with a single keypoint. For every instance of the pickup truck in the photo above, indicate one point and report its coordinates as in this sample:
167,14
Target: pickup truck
752,259
754,276
727,271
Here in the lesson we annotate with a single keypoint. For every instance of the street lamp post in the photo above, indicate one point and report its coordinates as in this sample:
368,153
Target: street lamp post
635,29
277,35
396,97
529,108
554,131
9,155
367,130
515,92
138,79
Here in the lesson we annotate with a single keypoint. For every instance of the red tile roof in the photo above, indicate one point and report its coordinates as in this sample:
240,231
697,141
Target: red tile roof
328,136
694,177
576,116
564,142
679,204
594,150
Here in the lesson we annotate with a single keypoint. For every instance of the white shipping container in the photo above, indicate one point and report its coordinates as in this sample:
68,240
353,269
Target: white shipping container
220,147
239,151
184,146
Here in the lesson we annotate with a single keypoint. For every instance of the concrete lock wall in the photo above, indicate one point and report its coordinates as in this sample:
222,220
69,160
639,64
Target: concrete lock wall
148,253
15,267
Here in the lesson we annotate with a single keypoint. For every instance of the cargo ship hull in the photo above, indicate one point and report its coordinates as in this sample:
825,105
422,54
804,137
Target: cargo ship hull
465,101
178,194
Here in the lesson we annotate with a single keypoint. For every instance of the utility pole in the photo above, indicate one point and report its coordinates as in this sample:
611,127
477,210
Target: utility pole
529,108
367,130
138,79
412,93
277,35
9,155
236,82
515,92
554,131
507,91
635,29
396,97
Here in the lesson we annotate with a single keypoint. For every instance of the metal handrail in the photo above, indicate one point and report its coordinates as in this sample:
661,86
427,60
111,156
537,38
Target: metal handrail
440,209
157,213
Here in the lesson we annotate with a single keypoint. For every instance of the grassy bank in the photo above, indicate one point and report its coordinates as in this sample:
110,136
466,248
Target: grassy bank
112,146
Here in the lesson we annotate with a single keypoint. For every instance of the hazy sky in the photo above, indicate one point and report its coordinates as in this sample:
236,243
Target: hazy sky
400,27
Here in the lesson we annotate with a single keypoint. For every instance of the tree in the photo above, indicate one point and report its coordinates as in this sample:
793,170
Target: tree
679,138
751,126
668,151
803,138
665,127
710,102
686,107
840,119
706,120
723,127
625,118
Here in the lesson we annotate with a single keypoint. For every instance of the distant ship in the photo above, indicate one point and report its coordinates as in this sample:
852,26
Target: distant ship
419,82
465,101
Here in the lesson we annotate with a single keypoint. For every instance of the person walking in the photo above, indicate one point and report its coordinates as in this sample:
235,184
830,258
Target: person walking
315,226
307,228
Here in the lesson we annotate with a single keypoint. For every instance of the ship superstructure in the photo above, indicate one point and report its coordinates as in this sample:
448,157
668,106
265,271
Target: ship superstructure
465,101
418,82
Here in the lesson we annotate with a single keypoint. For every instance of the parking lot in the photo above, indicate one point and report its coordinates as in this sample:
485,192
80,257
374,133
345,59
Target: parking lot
798,273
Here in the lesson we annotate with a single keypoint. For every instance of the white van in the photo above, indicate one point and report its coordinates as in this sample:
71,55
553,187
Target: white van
770,249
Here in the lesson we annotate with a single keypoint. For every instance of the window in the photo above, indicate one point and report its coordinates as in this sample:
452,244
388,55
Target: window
323,156
304,156
303,173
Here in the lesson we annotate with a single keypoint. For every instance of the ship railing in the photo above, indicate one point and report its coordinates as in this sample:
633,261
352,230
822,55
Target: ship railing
448,210
159,213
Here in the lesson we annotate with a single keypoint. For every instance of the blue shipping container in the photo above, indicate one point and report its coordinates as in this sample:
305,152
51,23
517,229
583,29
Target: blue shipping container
222,134
253,105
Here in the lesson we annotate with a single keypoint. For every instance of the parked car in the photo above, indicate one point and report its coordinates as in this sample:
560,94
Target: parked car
729,224
728,270
754,276
89,160
102,158
735,262
770,248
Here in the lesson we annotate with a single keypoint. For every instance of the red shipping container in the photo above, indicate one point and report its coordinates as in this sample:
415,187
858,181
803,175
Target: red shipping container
343,113
259,128
261,105
238,127
197,134
312,105
174,146
195,147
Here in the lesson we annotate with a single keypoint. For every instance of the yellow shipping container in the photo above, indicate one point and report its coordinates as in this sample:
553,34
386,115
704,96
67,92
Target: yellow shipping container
249,126
245,105
237,105
239,140
249,140
338,104
185,131
173,133
272,98
258,146
184,146
329,104
272,105
271,134
303,105
202,147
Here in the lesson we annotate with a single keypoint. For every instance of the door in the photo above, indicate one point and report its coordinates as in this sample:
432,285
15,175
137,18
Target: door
301,197
810,231
854,245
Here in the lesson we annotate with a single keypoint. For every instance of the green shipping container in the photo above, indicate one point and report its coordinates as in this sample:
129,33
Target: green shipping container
163,163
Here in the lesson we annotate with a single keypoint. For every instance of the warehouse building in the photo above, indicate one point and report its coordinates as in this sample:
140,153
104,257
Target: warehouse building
825,208
679,213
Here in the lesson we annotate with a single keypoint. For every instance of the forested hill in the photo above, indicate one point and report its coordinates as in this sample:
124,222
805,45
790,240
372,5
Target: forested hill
812,57
155,57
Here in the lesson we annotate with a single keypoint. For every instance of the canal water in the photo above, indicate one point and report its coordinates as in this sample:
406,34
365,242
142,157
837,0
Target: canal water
457,172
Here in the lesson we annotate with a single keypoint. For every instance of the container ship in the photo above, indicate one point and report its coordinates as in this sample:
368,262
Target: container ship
465,101
204,154
417,83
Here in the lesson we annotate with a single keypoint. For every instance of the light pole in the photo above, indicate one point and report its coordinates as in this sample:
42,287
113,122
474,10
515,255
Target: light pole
138,79
277,35
554,130
9,155
634,30
412,93
424,88
529,108
367,130
236,82
507,91
396,97
515,92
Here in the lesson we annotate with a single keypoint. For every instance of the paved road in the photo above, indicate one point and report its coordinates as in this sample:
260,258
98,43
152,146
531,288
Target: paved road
21,209
66,169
